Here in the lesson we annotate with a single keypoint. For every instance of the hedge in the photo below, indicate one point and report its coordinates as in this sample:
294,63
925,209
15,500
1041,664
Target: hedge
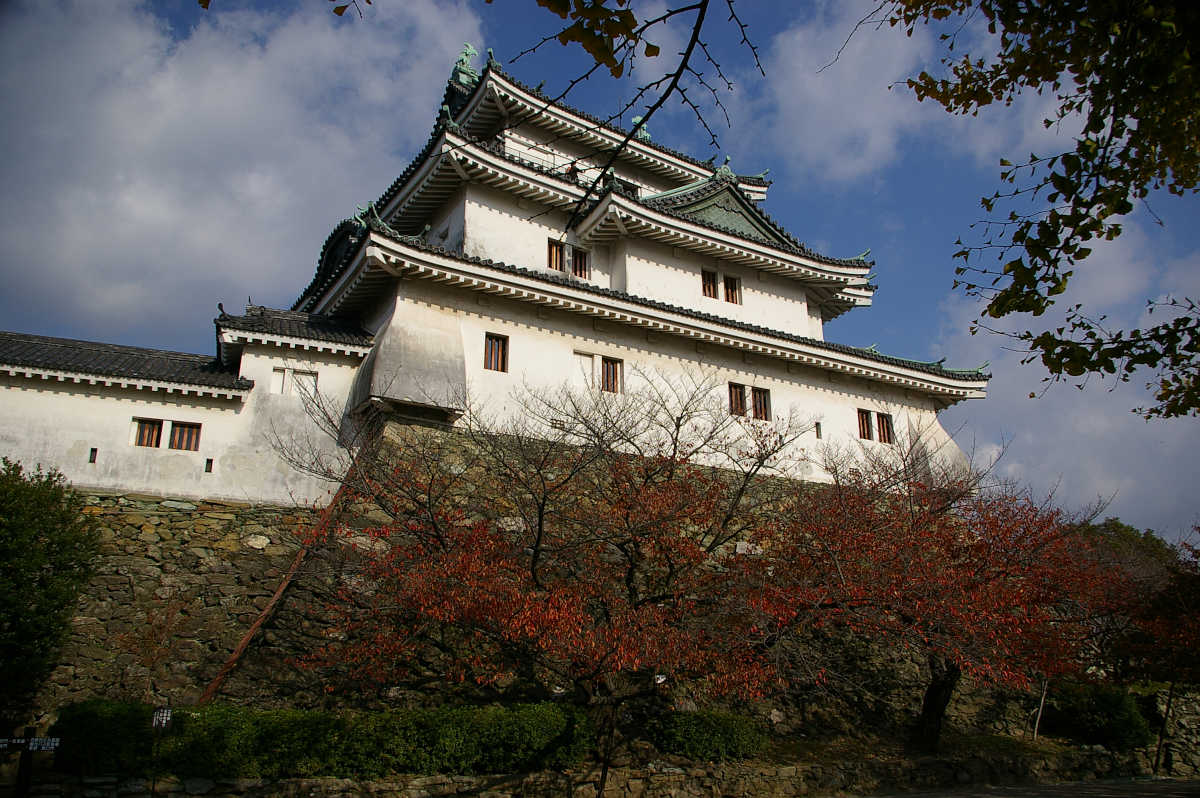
101,736
709,736
1096,714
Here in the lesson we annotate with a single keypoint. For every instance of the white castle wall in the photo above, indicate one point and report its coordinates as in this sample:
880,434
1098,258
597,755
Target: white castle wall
543,347
56,424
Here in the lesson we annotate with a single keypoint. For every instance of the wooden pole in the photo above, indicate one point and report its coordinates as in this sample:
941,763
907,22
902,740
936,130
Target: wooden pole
1162,728
1037,721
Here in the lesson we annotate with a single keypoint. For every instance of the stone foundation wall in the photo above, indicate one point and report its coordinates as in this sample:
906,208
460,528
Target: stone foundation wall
657,780
178,584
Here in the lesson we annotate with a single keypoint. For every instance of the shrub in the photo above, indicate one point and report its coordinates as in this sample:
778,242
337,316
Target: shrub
1096,715
234,741
712,736
47,547
99,735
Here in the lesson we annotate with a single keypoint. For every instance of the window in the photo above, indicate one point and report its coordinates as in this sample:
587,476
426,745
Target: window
610,374
495,352
185,436
579,263
761,400
883,424
864,424
149,432
555,255
817,429
708,282
291,381
733,290
587,367
304,383
92,454
737,399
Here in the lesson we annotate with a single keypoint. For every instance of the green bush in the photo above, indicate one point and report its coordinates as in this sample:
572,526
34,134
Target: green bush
47,547
239,742
711,736
1096,715
100,736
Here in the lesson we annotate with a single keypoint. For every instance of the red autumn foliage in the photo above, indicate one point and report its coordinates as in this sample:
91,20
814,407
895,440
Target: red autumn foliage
978,581
605,564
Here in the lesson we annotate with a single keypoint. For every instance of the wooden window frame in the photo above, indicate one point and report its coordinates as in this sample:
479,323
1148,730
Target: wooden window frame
733,290
885,429
185,436
556,255
737,399
580,265
865,428
709,284
760,402
495,352
147,430
817,429
612,376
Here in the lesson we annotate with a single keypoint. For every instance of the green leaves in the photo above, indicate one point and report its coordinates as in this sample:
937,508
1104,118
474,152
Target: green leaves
1135,84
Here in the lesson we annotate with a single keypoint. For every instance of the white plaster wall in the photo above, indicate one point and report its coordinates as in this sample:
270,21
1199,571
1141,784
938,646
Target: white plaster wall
448,226
548,148
542,354
57,423
670,274
816,325
501,227
504,228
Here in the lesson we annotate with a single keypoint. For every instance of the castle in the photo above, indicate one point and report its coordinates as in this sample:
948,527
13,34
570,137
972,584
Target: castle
489,265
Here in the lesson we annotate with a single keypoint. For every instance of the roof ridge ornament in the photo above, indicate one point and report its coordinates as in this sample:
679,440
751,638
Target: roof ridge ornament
643,132
724,172
368,219
464,73
446,120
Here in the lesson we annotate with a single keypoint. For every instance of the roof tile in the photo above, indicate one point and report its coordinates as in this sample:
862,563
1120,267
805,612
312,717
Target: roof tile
112,360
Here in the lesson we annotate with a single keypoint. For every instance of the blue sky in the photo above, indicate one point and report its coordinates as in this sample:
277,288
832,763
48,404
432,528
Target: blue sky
160,159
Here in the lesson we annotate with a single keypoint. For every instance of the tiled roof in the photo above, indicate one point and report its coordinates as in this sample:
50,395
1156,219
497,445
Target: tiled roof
866,353
673,203
492,66
670,206
295,324
111,360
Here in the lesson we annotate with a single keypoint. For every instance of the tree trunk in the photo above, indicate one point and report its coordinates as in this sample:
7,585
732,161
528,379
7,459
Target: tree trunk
1162,728
943,678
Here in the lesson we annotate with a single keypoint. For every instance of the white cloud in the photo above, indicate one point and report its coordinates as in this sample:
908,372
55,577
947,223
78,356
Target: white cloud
148,177
840,122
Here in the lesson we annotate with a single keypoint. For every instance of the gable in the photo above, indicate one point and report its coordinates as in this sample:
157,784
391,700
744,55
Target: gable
726,209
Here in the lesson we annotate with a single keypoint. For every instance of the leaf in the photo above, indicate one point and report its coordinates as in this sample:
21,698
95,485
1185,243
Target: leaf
339,10
652,50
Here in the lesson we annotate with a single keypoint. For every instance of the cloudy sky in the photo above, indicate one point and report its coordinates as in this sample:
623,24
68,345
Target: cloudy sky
160,158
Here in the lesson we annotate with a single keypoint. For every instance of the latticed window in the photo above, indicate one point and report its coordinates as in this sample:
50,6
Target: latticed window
733,290
149,432
761,399
708,281
610,374
883,423
864,424
737,399
556,255
579,263
495,352
185,436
